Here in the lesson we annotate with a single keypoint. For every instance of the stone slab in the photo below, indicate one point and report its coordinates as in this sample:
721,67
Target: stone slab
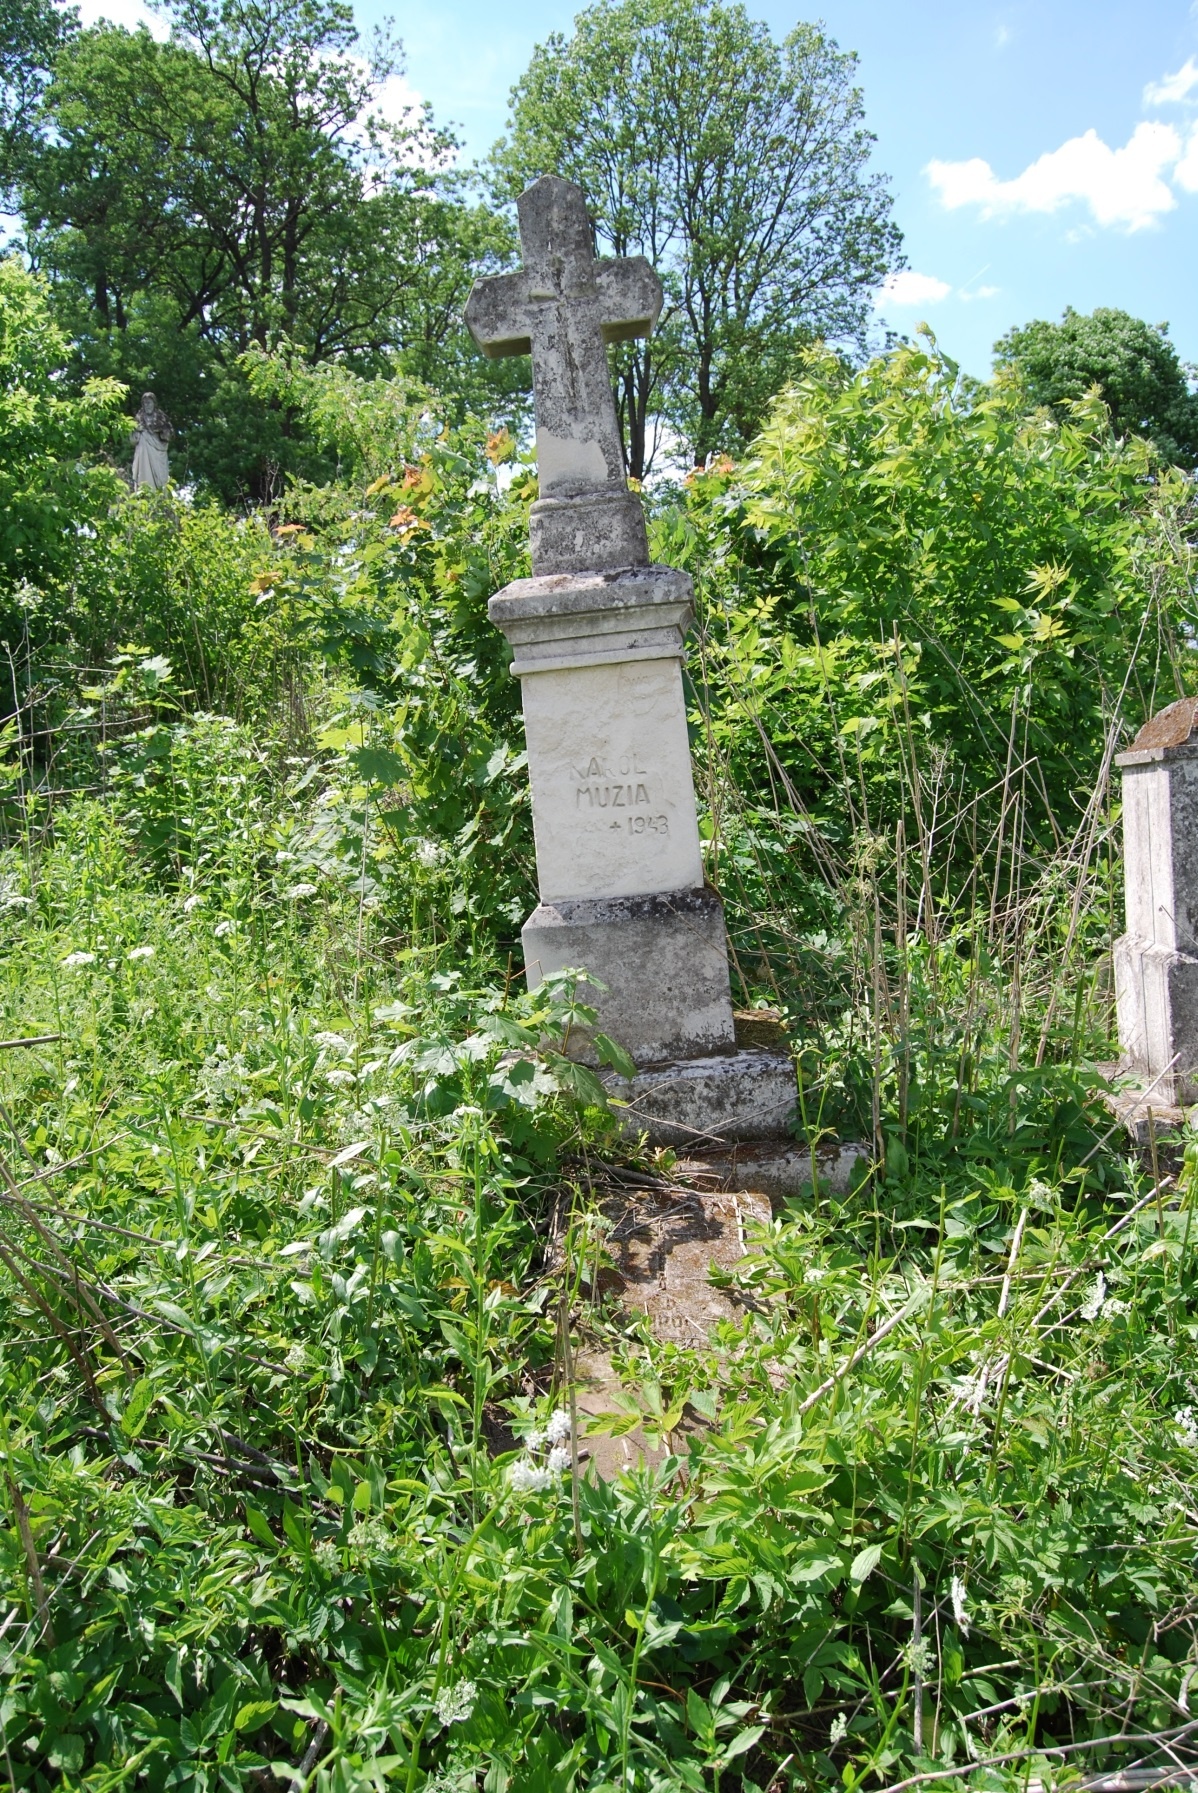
733,1097
779,1170
663,960
613,795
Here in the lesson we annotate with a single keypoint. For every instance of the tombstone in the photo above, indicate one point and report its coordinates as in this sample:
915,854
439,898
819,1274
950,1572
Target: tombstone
151,433
598,634
1156,960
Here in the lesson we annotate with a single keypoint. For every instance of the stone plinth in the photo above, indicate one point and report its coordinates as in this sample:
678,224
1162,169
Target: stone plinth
662,962
1156,959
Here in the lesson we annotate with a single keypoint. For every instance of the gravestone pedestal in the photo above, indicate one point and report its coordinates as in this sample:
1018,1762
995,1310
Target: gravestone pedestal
1156,960
620,872
597,635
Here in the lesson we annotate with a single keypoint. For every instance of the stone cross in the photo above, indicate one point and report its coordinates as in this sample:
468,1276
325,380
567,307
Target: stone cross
598,636
563,308
1156,959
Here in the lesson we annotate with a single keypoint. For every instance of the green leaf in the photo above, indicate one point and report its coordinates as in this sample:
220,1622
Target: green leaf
254,1714
260,1526
612,1054
865,1562
137,1407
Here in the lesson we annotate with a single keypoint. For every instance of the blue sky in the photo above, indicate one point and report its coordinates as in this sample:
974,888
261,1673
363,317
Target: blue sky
1043,153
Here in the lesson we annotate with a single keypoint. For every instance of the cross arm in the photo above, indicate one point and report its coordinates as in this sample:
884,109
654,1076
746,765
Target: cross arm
629,298
497,315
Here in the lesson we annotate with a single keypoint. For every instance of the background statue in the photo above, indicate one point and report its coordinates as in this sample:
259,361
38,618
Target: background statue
151,433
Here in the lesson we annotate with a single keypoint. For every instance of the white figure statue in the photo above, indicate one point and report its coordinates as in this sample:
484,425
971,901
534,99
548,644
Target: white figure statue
152,431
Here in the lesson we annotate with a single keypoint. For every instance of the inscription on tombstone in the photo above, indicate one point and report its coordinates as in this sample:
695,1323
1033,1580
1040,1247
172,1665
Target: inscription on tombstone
598,634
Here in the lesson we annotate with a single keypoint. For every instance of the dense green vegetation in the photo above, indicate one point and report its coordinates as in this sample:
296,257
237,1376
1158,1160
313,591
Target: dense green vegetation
1132,364
289,1491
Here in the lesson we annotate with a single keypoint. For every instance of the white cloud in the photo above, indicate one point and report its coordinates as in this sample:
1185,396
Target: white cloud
1171,90
1186,172
979,292
397,97
129,13
1120,186
910,288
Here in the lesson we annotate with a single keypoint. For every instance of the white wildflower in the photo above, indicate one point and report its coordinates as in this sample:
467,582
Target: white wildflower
558,1427
960,1610
1112,1306
141,952
223,1077
1092,1306
11,896
1187,1427
453,1705
193,902
224,927
327,1556
526,1477
369,1537
74,959
918,1657
301,890
428,853
840,1725
534,1441
332,1042
296,1358
339,1079
558,1459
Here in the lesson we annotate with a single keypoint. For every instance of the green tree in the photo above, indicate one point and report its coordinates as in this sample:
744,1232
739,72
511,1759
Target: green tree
739,167
237,185
48,491
31,34
1133,364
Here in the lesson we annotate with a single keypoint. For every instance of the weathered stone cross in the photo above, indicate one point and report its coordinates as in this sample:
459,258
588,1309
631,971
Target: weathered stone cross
563,307
598,636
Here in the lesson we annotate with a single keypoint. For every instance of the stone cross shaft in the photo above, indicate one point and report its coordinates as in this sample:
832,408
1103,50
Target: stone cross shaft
563,308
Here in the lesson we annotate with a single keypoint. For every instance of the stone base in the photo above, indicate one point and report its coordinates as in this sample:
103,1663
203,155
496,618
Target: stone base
664,960
778,1169
589,533
709,1101
1156,993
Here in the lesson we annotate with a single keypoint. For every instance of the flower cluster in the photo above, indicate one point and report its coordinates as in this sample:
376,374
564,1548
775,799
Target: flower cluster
1187,1427
370,1538
453,1705
528,1476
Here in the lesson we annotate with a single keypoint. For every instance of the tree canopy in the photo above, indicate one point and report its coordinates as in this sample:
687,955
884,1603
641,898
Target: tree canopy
1133,364
739,167
31,34
237,185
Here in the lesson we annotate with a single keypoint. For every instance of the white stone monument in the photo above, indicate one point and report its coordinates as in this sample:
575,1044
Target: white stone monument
151,435
1156,960
598,636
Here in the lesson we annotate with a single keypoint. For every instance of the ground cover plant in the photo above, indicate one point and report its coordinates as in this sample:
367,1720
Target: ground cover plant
293,1491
